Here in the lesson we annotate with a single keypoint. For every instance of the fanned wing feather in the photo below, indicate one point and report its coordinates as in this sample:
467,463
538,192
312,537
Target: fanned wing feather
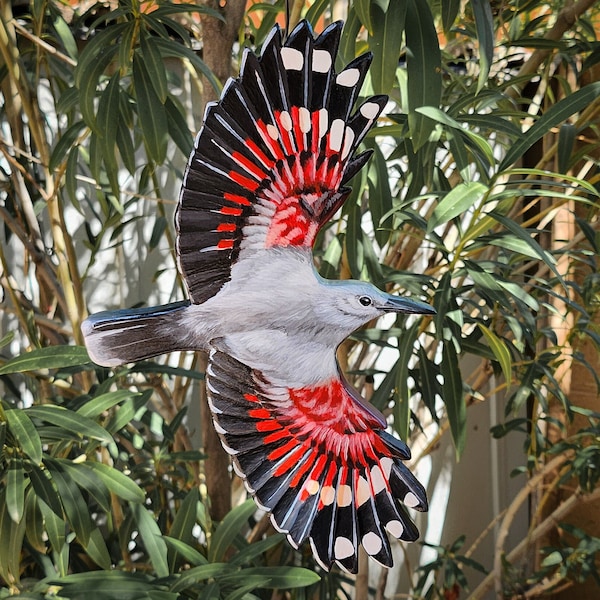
319,460
273,157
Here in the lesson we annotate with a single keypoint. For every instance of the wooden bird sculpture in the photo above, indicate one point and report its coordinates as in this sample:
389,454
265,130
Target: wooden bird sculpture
269,169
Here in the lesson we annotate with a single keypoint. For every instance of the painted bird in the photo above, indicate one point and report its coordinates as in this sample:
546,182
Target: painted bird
269,169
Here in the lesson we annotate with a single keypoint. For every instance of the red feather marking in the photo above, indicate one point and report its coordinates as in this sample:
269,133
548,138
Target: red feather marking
303,469
226,227
277,435
245,182
251,397
229,210
260,413
249,165
225,244
237,199
279,452
263,426
256,151
290,225
291,461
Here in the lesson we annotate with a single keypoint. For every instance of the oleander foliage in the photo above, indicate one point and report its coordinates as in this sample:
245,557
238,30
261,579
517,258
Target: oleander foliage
479,157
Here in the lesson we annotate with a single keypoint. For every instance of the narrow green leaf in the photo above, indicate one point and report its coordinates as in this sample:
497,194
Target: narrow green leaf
252,551
500,350
15,489
189,554
152,538
178,128
51,357
524,235
184,522
71,421
34,522
12,535
457,201
450,9
64,144
555,115
229,528
107,119
385,41
55,526
254,583
453,396
7,339
566,141
380,195
96,406
76,509
195,574
347,48
45,491
118,483
25,434
279,577
402,395
152,117
484,25
88,481
154,64
423,65
96,549
363,11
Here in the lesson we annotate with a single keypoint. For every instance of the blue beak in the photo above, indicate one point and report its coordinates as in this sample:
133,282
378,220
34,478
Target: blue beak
407,305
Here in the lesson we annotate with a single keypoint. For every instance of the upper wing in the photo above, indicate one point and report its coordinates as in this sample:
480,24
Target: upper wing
319,460
273,156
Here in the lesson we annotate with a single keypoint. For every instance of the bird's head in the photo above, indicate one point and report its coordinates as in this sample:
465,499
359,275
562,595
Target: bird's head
351,304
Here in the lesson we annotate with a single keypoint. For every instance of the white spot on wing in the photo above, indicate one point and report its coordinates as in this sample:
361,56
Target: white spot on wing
372,543
369,110
395,528
304,115
323,122
386,464
321,61
286,120
336,135
363,493
411,500
344,495
272,131
327,495
348,139
348,78
378,480
292,59
343,548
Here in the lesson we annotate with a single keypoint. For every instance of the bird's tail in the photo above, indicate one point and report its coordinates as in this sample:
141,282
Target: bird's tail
123,336
320,462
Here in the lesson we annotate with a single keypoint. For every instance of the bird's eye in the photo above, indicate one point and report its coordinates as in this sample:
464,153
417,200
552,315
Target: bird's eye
365,300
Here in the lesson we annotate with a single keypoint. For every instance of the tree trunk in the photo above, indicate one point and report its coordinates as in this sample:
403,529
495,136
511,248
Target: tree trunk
218,38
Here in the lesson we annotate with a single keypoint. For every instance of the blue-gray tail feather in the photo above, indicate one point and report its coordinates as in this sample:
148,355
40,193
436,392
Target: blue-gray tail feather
118,337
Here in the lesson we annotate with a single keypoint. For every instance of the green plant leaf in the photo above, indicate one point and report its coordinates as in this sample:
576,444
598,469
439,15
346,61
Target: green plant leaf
118,483
88,481
555,115
75,507
152,538
228,529
450,9
64,144
455,202
186,551
453,396
152,116
96,406
184,522
279,577
195,574
15,489
25,433
484,25
71,421
423,65
51,357
385,41
153,62
402,397
500,350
